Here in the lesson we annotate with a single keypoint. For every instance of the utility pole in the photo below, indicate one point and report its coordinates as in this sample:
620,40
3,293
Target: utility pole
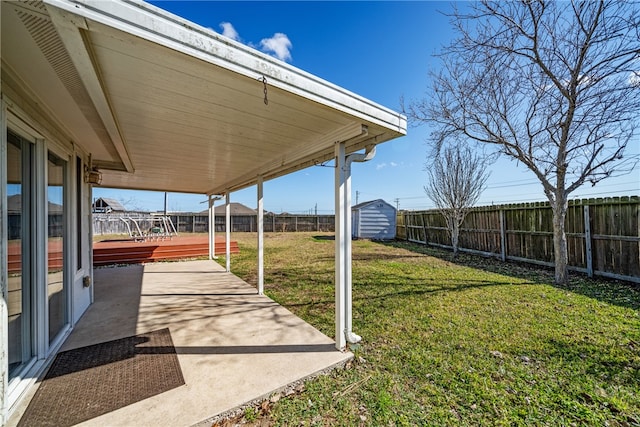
357,196
165,203
397,200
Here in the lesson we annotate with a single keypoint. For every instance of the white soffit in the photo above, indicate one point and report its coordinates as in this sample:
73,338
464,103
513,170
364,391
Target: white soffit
183,105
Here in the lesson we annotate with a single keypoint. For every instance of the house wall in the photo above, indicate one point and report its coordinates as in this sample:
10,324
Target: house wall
376,220
4,313
73,260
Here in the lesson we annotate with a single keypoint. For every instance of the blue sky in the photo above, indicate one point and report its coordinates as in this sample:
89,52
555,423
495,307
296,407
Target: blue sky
379,50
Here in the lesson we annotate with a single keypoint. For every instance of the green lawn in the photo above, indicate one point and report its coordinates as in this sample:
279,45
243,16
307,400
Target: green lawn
476,342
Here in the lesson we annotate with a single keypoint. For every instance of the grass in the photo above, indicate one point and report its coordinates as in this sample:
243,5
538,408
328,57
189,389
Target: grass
476,342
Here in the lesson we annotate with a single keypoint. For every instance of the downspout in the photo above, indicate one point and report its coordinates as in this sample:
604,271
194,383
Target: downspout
370,152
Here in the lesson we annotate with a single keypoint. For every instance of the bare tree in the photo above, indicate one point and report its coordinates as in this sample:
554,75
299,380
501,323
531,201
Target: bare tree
554,85
457,178
131,204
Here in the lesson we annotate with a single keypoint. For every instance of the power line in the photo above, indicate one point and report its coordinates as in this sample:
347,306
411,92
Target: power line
599,186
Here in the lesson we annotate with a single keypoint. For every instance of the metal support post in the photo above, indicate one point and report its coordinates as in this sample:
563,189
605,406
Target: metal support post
260,237
227,243
341,325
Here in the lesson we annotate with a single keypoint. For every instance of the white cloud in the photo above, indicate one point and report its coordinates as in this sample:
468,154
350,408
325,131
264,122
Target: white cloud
384,165
279,45
229,31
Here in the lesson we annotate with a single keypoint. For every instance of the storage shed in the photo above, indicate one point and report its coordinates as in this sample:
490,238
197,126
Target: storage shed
375,219
106,205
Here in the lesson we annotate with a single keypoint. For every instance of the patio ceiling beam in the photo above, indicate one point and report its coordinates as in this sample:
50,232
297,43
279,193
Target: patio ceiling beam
73,31
308,156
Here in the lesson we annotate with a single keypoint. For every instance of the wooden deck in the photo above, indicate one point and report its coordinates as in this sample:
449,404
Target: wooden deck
136,252
54,255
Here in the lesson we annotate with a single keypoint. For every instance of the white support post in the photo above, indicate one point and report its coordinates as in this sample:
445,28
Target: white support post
212,229
348,280
227,228
260,237
344,299
341,325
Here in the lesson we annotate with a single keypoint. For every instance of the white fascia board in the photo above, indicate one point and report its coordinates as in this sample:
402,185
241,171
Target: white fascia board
156,25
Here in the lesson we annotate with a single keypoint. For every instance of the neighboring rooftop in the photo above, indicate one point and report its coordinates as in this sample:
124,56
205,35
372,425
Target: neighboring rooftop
106,205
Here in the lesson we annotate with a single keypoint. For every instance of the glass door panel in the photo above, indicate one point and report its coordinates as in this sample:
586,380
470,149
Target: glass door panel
20,216
56,281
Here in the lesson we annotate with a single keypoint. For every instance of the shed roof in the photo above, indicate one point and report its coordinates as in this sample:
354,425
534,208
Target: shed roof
112,203
370,202
164,104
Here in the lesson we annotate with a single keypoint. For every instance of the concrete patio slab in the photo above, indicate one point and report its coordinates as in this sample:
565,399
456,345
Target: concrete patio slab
233,345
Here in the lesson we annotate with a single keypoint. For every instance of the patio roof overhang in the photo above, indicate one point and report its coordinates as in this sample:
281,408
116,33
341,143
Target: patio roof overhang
164,104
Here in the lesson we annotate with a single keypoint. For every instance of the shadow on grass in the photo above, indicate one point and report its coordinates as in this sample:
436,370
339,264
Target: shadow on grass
619,366
614,292
321,238
371,257
405,287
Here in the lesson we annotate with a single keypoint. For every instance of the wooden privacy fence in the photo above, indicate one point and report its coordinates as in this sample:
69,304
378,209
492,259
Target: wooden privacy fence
603,235
199,223
249,223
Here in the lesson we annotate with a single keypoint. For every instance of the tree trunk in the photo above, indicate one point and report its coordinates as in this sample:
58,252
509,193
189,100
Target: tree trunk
560,242
455,231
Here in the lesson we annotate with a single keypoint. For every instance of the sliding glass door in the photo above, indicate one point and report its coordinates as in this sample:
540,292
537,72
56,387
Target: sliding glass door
23,253
57,289
20,212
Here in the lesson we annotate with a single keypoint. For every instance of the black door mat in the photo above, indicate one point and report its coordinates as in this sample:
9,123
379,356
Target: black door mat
90,381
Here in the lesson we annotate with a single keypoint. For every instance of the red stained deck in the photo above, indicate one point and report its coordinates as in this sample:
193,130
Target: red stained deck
54,255
130,252
178,247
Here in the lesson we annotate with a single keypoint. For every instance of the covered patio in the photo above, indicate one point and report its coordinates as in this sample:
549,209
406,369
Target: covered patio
233,346
127,95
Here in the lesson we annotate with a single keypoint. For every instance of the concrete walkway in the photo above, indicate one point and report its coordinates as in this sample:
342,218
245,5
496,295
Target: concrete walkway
233,345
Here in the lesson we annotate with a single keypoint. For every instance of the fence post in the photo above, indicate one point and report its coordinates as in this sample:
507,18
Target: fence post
424,227
587,241
503,237
404,222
